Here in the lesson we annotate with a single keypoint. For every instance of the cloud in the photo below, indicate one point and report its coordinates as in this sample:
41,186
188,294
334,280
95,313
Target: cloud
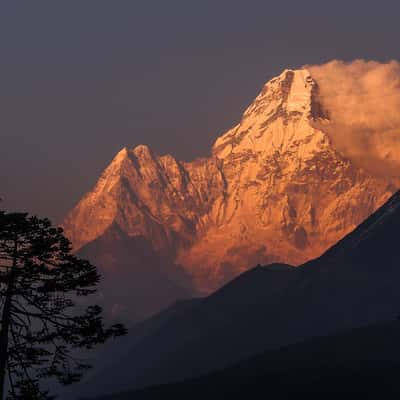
363,102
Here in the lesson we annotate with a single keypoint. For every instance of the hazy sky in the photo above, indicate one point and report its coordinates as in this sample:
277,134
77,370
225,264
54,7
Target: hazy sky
81,79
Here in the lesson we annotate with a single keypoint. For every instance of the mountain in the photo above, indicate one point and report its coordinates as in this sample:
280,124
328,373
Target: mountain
353,284
125,284
104,356
363,361
274,189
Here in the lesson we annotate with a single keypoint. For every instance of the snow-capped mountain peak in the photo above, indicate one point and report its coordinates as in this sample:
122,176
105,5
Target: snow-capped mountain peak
274,189
288,100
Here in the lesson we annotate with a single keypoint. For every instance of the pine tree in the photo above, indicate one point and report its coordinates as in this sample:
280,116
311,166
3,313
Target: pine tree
42,323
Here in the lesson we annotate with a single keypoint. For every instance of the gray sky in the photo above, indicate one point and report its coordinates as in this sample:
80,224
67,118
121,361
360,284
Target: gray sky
81,79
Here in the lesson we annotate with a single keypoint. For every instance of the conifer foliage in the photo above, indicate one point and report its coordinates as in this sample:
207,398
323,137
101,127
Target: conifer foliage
43,323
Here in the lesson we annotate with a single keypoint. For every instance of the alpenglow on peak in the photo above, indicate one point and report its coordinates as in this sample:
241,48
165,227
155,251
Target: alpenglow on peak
274,190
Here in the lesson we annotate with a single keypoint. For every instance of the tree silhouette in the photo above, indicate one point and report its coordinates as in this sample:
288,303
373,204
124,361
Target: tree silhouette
42,324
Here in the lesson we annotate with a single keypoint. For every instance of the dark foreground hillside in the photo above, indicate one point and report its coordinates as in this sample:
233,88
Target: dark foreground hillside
356,283
364,363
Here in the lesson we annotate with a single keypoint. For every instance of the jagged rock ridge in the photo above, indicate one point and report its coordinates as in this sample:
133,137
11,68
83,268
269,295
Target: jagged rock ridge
274,190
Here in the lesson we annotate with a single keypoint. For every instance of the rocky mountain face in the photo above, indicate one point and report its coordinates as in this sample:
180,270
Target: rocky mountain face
273,190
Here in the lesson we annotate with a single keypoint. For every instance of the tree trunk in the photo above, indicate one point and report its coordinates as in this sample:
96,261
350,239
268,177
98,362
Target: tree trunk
5,323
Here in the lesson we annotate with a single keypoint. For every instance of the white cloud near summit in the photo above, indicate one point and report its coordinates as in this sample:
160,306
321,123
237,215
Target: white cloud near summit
363,101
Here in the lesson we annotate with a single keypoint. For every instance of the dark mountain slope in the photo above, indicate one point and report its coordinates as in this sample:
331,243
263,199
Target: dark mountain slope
355,283
364,361
104,357
189,334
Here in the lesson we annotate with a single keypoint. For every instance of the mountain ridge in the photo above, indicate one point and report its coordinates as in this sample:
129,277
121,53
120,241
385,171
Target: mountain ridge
274,189
364,360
